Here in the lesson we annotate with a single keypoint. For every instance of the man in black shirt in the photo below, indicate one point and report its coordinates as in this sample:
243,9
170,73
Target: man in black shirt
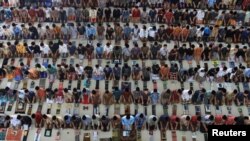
33,31
116,14
107,14
26,120
88,71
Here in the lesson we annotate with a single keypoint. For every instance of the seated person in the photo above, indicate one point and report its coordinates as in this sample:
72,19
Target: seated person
37,117
47,120
140,119
76,122
185,122
15,121
86,122
127,122
152,122
105,123
163,122
57,122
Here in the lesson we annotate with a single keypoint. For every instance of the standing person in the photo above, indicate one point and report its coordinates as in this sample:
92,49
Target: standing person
52,72
126,99
95,121
86,121
38,119
154,99
116,122
95,99
128,122
107,100
117,94
105,123
152,122
140,120
145,99
100,32
163,122
41,94
136,13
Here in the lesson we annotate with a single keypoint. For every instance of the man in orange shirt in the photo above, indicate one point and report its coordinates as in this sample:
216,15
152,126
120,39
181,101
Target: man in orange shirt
197,53
164,72
41,93
176,32
185,33
17,73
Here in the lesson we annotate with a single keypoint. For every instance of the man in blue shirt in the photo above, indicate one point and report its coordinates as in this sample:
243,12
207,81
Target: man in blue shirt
154,98
127,32
99,51
90,32
140,119
211,3
127,122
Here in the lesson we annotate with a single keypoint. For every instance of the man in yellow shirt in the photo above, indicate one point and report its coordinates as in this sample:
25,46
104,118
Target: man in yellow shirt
20,49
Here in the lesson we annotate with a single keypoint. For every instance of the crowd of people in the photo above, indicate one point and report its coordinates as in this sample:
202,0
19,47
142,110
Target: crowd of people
165,31
127,122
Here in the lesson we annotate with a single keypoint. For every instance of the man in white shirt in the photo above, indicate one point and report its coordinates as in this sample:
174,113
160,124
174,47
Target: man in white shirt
108,48
47,14
185,122
152,122
96,121
44,49
163,52
15,121
152,33
200,16
79,70
143,34
63,50
186,95
98,72
86,120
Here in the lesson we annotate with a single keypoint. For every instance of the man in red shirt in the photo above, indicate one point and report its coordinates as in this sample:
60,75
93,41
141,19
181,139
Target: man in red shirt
38,119
174,122
136,13
228,120
218,120
169,17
